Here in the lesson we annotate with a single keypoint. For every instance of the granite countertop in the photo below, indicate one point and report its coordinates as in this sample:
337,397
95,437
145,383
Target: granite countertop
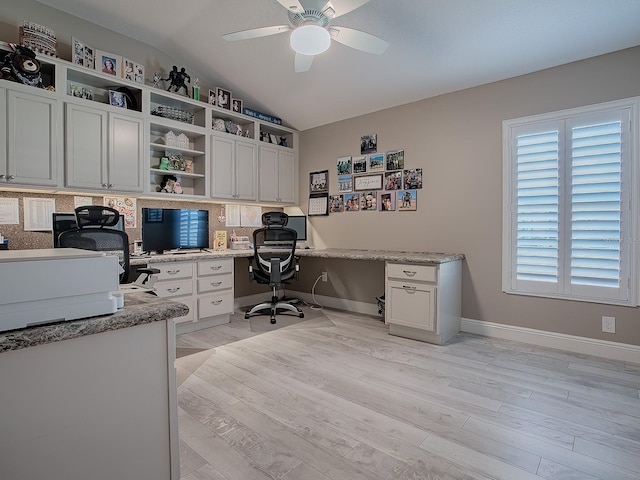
341,253
139,308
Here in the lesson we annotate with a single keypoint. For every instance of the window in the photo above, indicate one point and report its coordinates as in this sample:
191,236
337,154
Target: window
570,204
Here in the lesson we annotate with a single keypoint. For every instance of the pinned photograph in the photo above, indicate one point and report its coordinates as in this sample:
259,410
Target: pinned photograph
369,143
412,179
376,162
351,202
393,180
336,203
360,164
344,165
407,200
345,183
395,160
386,201
368,201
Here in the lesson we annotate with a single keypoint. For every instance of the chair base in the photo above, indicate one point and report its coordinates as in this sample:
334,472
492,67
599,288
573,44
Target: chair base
272,308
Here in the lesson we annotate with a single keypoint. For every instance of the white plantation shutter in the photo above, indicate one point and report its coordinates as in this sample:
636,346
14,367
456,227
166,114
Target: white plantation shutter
568,207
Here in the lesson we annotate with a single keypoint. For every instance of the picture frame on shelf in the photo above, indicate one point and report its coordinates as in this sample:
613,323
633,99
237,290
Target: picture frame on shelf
128,69
367,182
82,54
211,99
273,138
236,105
407,200
117,99
223,98
138,73
108,63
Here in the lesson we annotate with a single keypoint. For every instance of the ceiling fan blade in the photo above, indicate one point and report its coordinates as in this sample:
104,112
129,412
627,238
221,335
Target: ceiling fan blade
303,62
256,33
359,40
292,5
344,6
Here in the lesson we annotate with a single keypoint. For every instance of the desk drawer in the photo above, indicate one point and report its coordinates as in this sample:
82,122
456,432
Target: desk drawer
215,304
214,267
174,270
174,289
214,282
405,271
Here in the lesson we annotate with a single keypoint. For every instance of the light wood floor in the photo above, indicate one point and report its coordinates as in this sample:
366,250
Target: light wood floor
336,397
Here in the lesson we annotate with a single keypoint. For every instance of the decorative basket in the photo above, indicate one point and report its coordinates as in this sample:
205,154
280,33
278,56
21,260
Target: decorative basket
173,114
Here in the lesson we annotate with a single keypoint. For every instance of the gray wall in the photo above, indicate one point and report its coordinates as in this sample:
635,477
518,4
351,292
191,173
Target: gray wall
456,140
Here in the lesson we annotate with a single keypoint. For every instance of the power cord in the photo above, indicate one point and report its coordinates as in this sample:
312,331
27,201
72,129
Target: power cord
316,305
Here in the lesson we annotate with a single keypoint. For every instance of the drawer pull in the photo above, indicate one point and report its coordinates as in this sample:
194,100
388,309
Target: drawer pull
409,273
216,284
173,290
216,267
216,302
173,272
409,289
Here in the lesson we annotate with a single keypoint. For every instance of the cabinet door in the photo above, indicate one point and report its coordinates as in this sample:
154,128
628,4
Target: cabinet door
32,139
86,147
126,136
411,305
245,178
268,174
286,177
222,167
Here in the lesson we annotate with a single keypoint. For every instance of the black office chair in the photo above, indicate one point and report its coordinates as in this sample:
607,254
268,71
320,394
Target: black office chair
275,263
93,233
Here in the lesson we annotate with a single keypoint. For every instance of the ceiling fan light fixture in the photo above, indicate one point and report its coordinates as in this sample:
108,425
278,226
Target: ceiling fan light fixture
310,39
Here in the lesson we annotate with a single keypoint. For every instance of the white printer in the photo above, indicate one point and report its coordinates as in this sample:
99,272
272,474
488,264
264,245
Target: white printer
44,286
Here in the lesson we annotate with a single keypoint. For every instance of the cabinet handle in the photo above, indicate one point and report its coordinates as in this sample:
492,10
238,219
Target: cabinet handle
11,177
216,267
111,185
216,302
104,185
2,176
409,273
216,284
409,289
173,290
172,272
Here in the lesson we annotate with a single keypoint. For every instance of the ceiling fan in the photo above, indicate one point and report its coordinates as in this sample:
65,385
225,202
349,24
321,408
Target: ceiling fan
312,31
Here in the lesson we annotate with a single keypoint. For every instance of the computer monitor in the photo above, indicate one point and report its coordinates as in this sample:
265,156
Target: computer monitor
67,221
299,224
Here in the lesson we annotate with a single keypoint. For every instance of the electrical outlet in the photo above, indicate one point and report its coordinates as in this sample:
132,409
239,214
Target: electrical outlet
324,276
609,324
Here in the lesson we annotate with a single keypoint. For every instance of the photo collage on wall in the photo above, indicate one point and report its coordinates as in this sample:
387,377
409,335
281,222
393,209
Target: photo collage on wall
374,181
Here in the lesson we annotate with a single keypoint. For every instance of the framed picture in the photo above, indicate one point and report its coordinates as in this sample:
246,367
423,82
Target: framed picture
117,99
344,165
407,200
367,182
319,181
82,54
138,73
351,202
386,201
412,179
236,105
108,63
376,162
223,98
273,138
359,164
368,201
128,69
212,97
318,204
395,160
336,203
393,180
345,183
369,143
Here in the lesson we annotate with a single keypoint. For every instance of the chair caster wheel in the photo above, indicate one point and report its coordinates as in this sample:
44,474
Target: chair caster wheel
246,316
301,315
273,320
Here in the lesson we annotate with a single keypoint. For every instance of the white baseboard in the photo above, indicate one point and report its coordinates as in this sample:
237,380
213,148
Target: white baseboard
329,302
571,343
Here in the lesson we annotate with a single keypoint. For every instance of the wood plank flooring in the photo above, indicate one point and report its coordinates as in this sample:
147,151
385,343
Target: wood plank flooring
336,397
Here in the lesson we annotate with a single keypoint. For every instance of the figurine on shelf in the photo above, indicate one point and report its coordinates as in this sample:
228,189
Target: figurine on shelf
283,141
177,188
156,80
196,89
164,164
168,184
21,66
178,79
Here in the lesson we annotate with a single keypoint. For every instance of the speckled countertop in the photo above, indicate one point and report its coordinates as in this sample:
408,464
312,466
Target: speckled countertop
340,253
139,308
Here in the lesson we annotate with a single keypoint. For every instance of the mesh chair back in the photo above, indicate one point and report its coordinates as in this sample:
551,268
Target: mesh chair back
277,243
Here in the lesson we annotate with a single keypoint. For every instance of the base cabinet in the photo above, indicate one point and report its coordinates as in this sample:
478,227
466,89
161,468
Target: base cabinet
423,301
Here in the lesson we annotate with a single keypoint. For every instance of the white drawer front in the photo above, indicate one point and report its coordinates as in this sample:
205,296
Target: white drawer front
213,267
215,282
214,304
174,289
174,270
411,305
405,271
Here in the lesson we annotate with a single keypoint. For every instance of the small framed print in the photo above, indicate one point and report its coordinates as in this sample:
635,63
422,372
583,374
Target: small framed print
82,54
351,202
138,73
319,182
395,160
368,201
369,143
236,105
117,99
223,98
376,162
367,182
273,138
393,180
128,69
108,63
343,165
359,164
386,201
318,204
336,203
345,183
412,179
407,200
212,97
